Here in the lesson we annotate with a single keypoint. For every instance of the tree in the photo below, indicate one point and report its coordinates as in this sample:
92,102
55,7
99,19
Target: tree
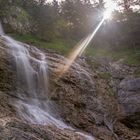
129,5
79,15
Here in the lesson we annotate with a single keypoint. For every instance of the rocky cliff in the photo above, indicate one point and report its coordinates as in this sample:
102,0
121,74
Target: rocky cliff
97,96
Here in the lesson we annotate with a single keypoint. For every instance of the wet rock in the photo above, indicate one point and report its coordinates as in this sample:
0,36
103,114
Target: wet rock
23,131
129,97
124,132
80,100
130,84
7,77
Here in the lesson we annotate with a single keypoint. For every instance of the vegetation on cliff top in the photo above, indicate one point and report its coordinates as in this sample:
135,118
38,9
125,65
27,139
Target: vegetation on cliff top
59,25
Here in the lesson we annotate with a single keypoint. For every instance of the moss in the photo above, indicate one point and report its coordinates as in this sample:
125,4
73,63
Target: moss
93,51
93,63
129,55
137,73
104,75
133,60
111,92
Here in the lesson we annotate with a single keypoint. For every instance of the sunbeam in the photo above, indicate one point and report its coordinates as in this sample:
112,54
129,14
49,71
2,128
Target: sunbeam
80,48
83,44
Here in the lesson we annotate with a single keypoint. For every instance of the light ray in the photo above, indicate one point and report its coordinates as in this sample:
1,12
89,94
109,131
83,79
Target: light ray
110,6
82,45
80,48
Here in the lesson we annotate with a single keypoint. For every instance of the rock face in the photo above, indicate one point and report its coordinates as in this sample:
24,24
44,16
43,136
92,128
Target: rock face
22,131
83,97
79,100
129,97
11,124
124,86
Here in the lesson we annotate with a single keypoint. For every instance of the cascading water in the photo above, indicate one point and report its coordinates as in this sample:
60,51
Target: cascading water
32,78
1,30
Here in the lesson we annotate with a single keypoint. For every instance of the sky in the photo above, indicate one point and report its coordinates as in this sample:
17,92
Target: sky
107,1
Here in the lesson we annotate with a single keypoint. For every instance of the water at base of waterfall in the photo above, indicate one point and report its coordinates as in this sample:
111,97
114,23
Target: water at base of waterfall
34,81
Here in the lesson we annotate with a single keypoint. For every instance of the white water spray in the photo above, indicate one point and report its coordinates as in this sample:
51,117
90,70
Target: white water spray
34,82
32,78
1,30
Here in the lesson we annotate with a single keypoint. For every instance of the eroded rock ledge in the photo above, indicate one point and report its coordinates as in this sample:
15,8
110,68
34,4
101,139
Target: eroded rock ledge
83,97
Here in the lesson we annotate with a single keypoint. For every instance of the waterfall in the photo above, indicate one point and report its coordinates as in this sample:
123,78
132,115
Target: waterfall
32,78
1,29
34,82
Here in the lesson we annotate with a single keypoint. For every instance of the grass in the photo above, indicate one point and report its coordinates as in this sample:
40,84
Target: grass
130,56
104,75
93,63
60,45
93,51
133,60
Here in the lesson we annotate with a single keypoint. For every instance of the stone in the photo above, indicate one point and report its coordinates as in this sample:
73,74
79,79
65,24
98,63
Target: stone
83,102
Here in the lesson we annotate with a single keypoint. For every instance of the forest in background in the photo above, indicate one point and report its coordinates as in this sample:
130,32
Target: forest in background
60,26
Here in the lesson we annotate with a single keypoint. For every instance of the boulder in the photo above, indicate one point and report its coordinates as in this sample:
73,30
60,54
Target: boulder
129,97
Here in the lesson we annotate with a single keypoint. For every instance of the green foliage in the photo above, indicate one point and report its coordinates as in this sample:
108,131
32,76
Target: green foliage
95,51
59,26
137,72
93,64
129,56
133,60
79,16
60,45
111,92
104,75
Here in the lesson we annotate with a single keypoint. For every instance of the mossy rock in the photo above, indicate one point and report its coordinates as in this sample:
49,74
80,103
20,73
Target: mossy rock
137,73
104,75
